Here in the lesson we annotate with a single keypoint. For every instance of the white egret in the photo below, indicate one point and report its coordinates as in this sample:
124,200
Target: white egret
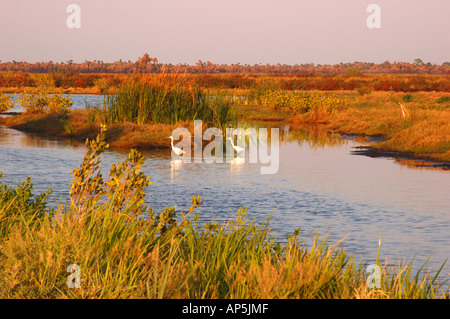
236,148
176,150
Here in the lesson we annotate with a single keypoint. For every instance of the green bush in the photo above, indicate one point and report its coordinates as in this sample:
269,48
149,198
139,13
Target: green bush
443,99
407,98
304,102
6,102
19,205
41,101
363,90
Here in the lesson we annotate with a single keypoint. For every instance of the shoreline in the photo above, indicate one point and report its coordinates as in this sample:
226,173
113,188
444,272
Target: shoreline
399,155
57,90
124,136
421,134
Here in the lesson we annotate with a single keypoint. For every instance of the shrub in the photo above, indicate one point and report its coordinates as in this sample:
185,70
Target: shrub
43,80
101,84
407,98
19,204
6,102
443,99
39,102
363,90
304,102
353,72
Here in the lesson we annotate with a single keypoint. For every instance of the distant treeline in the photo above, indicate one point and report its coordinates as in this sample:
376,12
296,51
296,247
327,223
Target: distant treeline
147,64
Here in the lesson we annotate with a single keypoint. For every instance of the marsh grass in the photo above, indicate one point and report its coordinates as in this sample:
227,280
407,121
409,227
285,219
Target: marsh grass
126,250
166,99
424,133
423,130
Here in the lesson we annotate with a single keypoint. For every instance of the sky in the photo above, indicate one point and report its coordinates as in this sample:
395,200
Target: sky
226,31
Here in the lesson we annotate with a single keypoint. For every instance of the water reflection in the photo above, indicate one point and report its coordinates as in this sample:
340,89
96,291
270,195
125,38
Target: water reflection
315,136
14,138
237,164
420,164
175,166
400,158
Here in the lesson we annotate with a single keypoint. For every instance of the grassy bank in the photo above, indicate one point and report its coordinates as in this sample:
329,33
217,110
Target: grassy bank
143,113
143,118
422,129
126,250
79,125
415,124
55,90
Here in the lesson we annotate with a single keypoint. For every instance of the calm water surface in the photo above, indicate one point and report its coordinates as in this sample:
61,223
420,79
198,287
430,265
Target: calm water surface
319,187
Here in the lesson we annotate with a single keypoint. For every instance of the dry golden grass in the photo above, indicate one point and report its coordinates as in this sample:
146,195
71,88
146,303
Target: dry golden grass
423,131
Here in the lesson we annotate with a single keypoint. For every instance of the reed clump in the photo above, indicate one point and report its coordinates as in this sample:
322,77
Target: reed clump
166,99
124,249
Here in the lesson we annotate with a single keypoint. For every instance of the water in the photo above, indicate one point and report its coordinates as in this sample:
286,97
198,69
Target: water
319,187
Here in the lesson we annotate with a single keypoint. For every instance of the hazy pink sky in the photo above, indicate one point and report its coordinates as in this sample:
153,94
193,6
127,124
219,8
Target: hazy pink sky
226,31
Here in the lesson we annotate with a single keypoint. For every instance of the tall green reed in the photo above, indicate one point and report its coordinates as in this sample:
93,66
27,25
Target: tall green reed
166,99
